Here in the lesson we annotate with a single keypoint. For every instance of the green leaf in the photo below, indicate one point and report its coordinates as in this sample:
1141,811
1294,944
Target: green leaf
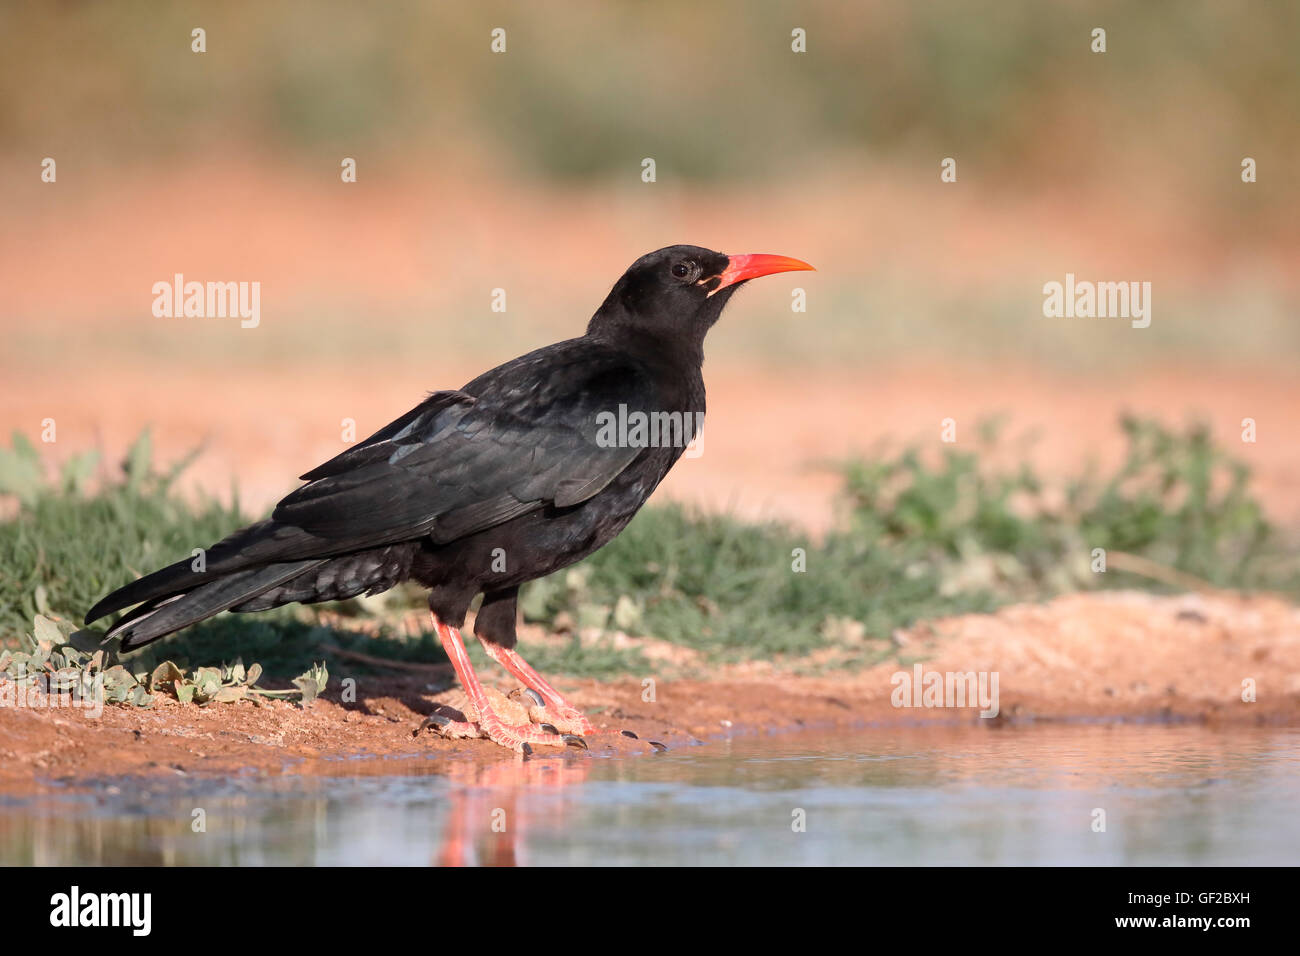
165,673
141,697
47,632
312,683
119,676
207,681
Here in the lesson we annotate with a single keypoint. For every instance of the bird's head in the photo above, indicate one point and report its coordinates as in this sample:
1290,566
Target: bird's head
678,292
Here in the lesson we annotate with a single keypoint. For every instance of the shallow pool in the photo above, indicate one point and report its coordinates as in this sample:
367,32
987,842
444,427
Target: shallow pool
1059,794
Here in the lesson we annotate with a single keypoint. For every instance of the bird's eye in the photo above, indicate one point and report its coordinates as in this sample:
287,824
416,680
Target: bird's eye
682,270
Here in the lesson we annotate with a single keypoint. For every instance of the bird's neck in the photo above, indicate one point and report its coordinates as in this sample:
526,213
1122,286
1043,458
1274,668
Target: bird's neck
675,364
665,354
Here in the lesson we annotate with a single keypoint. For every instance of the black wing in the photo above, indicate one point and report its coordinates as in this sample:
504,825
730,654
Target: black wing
515,439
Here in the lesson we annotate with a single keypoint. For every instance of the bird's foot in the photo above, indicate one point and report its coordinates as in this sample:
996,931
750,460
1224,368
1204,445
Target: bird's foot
521,738
565,718
505,722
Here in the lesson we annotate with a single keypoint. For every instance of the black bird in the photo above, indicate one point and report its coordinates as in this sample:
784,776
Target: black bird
511,477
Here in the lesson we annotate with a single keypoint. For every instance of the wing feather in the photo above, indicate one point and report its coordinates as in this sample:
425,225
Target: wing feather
516,439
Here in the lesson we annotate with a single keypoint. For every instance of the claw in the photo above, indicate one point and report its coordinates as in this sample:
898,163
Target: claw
435,720
447,727
628,733
526,749
549,717
573,740
658,746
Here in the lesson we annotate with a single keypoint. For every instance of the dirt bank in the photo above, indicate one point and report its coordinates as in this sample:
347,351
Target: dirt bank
1116,656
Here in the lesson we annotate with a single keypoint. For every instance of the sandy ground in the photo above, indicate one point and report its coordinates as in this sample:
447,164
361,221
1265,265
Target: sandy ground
1112,657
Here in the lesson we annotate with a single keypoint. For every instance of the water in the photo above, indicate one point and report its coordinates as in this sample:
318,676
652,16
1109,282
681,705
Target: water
1172,795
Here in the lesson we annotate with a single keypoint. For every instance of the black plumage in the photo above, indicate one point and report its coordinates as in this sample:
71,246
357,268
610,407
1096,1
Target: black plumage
481,489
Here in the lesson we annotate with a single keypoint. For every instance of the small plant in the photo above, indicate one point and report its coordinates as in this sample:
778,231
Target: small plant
231,682
61,660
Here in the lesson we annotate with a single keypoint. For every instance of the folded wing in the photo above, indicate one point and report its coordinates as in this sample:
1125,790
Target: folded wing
465,461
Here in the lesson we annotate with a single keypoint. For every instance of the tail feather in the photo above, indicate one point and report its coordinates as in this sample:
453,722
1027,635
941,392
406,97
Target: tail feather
160,616
174,579
259,545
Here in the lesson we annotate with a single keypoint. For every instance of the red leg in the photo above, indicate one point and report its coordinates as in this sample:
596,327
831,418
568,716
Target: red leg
557,712
489,723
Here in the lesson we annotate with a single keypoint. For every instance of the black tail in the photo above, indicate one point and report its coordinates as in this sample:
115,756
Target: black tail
259,567
235,570
256,546
170,581
161,616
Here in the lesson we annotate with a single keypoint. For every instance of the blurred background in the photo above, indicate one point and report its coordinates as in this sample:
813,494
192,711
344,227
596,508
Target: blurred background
522,171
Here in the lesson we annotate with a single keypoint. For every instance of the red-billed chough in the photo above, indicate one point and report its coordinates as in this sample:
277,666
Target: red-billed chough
515,475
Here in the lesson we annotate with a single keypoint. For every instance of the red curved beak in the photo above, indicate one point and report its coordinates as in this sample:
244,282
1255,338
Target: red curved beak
740,268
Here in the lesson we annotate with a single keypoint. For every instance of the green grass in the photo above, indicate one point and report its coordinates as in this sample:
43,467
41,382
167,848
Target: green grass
919,540
75,547
920,535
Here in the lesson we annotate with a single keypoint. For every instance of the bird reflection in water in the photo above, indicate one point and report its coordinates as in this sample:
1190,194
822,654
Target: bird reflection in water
490,806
